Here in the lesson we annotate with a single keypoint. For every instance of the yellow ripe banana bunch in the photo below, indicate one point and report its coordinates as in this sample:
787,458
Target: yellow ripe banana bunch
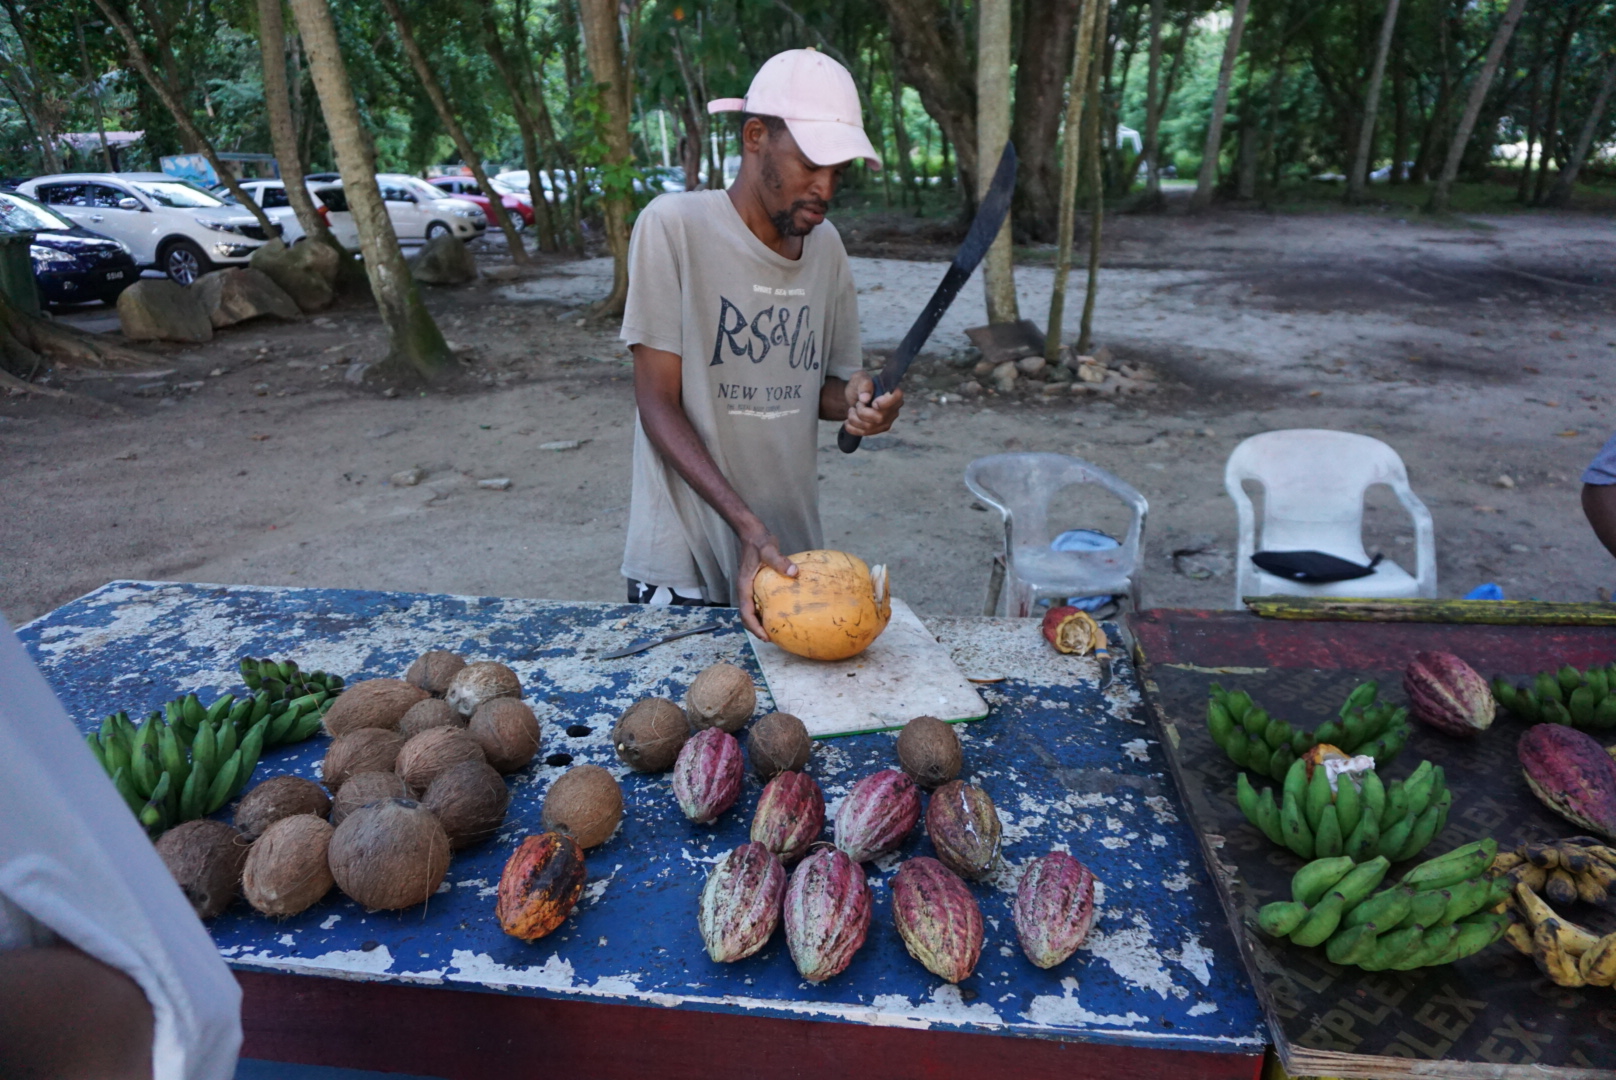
1570,955
1563,871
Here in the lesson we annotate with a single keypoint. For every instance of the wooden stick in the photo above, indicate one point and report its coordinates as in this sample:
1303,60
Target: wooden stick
1478,612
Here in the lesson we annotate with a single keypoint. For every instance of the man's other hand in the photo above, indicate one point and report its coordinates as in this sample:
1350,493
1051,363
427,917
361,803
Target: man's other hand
867,414
756,551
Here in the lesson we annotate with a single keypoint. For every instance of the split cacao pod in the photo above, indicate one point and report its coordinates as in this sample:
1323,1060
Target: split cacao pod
1447,693
964,828
937,918
1072,630
740,904
1572,774
877,814
827,913
540,886
1054,908
790,815
707,775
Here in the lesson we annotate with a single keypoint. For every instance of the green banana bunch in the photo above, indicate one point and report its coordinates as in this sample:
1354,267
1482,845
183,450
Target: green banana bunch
1581,699
1268,745
1356,821
1442,910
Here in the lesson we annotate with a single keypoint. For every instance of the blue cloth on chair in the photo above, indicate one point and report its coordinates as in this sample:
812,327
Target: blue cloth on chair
1488,591
1085,540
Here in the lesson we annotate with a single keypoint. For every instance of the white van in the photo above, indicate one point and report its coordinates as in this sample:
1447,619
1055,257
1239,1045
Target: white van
418,211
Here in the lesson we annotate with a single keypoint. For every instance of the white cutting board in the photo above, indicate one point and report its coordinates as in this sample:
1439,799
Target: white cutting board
904,673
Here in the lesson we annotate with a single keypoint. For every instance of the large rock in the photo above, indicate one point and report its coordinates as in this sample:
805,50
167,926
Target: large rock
235,295
156,309
444,260
306,271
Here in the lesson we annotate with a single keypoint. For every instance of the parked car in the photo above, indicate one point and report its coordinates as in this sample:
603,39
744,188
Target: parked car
177,228
72,265
271,196
322,177
465,187
418,211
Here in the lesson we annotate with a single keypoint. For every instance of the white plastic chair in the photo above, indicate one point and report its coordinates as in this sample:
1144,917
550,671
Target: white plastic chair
1020,487
1313,485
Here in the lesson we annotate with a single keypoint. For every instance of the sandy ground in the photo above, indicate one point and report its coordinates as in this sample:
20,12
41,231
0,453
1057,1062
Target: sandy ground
1481,350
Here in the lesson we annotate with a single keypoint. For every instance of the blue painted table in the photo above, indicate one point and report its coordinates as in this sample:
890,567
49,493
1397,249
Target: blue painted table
1069,767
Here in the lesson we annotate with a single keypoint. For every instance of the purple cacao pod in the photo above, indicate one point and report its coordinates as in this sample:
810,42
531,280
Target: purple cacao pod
1054,908
790,815
964,828
740,905
1572,774
877,814
937,918
1446,693
827,913
707,775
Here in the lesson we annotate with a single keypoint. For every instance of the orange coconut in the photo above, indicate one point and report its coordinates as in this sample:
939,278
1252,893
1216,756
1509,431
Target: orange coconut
832,609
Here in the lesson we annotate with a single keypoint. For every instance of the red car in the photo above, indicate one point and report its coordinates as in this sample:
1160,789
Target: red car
465,187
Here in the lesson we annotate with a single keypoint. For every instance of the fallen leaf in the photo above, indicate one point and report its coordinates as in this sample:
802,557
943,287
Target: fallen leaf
1315,393
1569,433
1555,335
1529,367
1486,509
259,438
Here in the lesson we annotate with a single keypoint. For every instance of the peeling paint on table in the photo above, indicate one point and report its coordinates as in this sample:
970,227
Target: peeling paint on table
1070,767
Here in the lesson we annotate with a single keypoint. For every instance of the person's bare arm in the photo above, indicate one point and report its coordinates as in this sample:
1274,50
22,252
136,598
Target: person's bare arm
658,391
66,1014
850,402
1599,504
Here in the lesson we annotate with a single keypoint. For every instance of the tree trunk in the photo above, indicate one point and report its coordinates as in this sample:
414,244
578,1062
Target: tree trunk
42,119
933,57
137,56
992,131
282,129
603,45
1071,159
1399,174
468,154
1208,178
1478,93
94,86
1363,157
1097,126
907,191
1551,126
1153,109
415,343
1523,189
191,140
542,220
1560,194
1042,65
1245,187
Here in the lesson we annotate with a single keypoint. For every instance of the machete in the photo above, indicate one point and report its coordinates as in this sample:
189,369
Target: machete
990,215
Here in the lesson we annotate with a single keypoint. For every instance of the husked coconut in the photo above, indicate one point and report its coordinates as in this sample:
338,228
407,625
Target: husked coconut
433,670
483,681
391,854
586,803
507,731
722,696
361,750
778,743
929,751
832,609
432,751
287,869
431,713
470,801
650,734
374,703
364,788
205,858
278,797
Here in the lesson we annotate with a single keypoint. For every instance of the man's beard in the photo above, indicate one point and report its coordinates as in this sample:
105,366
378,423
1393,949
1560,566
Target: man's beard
785,221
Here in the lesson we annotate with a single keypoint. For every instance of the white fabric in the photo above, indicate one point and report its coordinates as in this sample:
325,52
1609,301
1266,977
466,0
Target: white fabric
75,864
817,99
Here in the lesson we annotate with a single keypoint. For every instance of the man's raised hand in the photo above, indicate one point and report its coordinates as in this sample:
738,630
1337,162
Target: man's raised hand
865,416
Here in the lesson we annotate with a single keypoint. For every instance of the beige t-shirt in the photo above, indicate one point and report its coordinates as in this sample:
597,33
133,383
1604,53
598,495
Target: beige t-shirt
758,333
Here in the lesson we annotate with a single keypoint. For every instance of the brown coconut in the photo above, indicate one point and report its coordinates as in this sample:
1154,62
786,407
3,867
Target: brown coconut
586,803
433,670
778,743
721,696
363,750
483,681
278,797
432,751
375,703
364,788
470,801
507,731
650,734
205,857
929,751
287,870
431,713
391,854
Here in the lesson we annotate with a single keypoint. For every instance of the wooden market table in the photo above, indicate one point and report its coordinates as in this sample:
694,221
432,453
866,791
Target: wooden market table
1492,1015
625,986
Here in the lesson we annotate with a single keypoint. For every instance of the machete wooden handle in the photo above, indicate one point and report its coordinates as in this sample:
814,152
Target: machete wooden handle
846,440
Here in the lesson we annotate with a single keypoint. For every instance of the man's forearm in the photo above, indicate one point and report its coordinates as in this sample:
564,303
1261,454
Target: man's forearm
833,399
65,1014
671,432
1599,504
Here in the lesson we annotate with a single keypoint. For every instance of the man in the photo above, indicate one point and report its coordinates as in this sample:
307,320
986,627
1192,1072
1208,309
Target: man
1599,494
743,321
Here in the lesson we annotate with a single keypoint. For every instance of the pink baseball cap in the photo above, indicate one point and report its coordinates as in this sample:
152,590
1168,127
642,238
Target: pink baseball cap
816,98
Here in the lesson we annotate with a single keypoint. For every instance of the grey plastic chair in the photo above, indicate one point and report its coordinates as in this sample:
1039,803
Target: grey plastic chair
1020,487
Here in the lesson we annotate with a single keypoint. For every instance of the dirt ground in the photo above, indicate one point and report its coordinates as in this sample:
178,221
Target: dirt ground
1480,349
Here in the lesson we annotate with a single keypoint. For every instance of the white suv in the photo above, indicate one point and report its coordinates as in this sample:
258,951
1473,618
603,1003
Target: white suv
176,227
271,196
418,211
